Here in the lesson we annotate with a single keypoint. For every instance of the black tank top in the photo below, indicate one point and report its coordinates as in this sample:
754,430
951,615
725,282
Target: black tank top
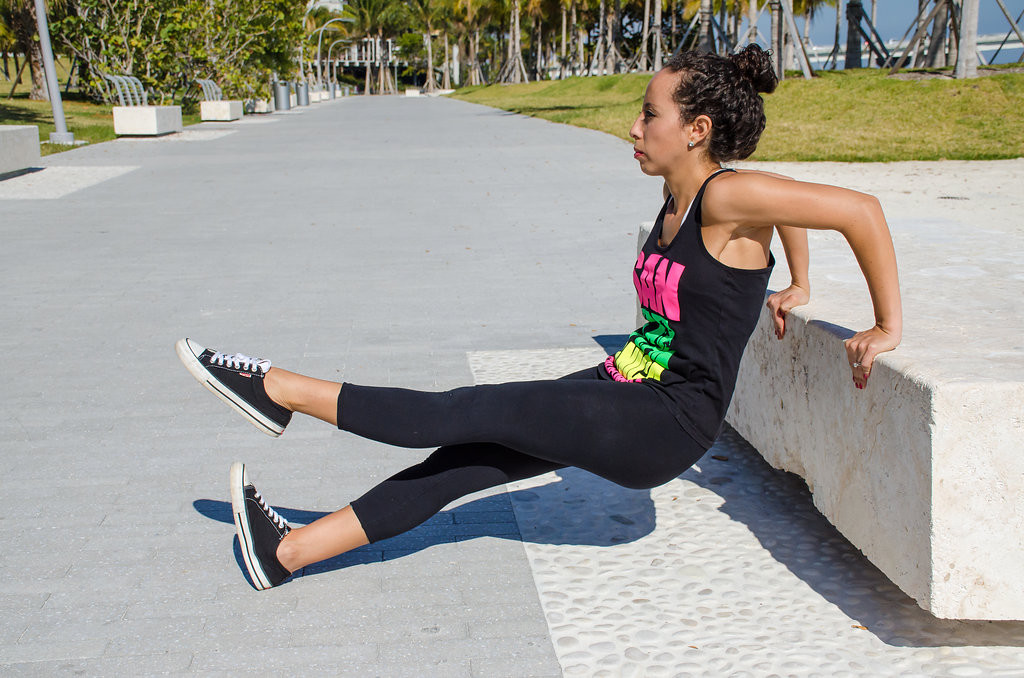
700,314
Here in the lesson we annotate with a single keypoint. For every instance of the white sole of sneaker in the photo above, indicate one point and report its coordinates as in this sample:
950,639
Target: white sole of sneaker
238,482
186,351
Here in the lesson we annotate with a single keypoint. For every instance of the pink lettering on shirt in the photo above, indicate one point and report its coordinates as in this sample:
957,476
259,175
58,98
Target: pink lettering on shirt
657,284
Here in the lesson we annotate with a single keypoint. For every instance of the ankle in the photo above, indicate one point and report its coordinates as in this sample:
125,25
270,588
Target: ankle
289,553
273,387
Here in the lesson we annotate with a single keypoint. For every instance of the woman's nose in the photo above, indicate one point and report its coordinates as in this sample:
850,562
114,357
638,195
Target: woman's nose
634,131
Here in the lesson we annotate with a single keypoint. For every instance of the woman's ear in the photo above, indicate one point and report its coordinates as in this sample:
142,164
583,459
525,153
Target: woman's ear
701,128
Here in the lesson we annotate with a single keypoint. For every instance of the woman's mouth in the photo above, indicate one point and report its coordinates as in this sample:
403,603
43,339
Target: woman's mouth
637,154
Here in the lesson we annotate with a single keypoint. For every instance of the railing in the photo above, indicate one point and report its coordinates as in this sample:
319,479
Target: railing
130,91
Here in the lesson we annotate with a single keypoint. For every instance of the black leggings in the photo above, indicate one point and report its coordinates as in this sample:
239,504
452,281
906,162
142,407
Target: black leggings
493,434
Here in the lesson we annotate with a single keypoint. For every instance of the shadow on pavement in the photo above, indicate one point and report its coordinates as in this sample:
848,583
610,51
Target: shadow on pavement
778,509
579,509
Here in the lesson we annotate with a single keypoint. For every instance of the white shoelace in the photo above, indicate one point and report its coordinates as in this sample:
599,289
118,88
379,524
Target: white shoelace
271,513
241,362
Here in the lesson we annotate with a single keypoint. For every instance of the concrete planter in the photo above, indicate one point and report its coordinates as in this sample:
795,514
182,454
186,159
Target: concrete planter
147,120
19,148
220,111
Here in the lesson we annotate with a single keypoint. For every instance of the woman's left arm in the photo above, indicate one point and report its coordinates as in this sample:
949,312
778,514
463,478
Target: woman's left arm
753,199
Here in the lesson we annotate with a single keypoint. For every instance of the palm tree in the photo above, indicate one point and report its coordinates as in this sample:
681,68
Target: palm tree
7,44
475,13
425,13
19,16
514,69
371,20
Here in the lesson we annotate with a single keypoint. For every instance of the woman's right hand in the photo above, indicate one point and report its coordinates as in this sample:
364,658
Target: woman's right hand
782,302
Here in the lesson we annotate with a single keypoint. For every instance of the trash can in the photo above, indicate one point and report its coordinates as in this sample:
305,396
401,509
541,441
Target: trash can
302,93
282,98
334,90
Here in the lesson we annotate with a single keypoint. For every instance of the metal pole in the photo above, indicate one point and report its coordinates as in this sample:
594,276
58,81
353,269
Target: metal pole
853,12
61,136
329,63
319,45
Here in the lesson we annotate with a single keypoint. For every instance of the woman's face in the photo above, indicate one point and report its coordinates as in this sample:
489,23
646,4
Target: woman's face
660,138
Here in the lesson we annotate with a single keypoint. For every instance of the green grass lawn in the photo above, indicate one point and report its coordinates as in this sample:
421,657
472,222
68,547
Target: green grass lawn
859,115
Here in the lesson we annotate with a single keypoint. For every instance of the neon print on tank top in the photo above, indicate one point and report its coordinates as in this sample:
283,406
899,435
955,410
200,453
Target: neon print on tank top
646,354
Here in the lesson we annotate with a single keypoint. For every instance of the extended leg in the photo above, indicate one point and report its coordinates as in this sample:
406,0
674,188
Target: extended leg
407,499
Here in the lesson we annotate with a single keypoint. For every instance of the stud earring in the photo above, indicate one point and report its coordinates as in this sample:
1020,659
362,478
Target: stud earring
689,145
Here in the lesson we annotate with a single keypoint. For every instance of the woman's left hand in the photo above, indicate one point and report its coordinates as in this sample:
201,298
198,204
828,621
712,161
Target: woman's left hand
863,347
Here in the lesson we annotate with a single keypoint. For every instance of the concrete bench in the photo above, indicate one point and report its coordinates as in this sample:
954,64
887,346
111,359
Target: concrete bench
134,117
19,148
214,108
923,471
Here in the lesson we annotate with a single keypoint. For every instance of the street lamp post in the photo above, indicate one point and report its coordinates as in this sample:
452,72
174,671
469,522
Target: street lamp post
319,45
61,136
332,77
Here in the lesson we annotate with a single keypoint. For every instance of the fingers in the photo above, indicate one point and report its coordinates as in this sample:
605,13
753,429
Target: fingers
778,315
861,351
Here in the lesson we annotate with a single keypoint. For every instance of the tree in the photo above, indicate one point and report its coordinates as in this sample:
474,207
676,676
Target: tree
19,17
425,13
514,69
169,43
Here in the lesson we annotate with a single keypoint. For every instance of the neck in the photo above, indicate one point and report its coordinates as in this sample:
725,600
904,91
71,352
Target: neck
684,184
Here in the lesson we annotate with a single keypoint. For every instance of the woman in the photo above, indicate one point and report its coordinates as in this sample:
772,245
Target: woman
649,412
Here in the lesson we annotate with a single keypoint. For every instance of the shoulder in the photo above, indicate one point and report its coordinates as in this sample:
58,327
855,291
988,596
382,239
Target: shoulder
735,196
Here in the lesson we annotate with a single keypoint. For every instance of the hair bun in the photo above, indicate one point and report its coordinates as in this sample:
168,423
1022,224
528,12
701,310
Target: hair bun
755,65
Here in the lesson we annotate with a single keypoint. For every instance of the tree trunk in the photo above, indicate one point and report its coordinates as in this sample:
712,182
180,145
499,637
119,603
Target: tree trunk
430,85
642,64
538,51
706,44
561,50
936,51
579,57
674,28
446,76
514,69
611,54
597,61
657,35
967,52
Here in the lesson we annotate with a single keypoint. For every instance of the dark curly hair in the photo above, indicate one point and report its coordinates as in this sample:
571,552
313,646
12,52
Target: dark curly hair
726,90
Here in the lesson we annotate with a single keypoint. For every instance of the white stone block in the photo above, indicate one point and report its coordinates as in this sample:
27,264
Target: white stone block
19,147
147,120
410,92
922,472
262,106
220,111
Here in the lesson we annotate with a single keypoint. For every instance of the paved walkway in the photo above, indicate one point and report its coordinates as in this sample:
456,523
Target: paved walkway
419,242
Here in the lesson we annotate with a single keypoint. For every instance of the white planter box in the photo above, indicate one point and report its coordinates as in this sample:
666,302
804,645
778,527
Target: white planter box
220,111
19,147
146,120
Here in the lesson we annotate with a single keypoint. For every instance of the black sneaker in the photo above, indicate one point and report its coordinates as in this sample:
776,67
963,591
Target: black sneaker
237,380
260,530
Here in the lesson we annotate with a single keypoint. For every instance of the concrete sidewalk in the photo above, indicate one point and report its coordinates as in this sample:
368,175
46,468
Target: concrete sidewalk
420,242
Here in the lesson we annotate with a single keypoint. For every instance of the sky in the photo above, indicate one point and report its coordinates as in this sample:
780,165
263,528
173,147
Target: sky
895,16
